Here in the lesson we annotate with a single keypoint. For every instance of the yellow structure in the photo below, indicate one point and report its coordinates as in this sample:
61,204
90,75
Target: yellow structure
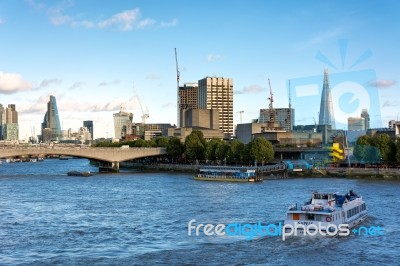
337,153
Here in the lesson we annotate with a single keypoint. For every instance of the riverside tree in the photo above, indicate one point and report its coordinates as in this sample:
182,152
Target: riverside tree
175,148
261,150
194,146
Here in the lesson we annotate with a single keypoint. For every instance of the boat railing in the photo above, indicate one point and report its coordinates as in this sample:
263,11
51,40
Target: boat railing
310,207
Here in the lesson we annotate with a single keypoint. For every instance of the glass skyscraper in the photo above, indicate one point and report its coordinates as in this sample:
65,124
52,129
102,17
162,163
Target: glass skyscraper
89,125
326,109
122,123
51,128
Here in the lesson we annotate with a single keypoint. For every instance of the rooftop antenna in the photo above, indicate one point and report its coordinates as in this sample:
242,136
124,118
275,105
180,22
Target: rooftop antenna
177,89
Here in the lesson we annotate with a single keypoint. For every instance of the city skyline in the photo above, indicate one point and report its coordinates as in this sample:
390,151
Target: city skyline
87,55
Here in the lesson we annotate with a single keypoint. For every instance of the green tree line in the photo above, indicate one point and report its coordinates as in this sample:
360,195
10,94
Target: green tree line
378,149
196,148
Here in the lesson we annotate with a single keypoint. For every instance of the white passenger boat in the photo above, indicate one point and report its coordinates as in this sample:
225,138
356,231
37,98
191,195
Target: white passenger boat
326,211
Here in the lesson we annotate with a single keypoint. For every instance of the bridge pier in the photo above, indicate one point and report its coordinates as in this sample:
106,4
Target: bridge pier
112,167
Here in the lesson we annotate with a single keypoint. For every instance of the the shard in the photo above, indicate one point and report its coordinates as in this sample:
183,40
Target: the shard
326,109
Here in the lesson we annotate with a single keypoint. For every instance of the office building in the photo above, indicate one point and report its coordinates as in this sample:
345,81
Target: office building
217,93
326,116
284,116
10,131
206,118
8,123
2,120
356,123
365,115
51,128
89,125
122,123
188,95
11,114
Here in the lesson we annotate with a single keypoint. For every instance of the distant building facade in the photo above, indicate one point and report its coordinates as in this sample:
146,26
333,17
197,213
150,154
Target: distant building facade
356,123
188,95
122,123
284,116
9,129
2,120
89,125
51,127
207,118
365,115
217,93
393,124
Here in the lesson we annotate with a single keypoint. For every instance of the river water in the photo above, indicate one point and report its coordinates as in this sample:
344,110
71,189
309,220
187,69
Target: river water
47,217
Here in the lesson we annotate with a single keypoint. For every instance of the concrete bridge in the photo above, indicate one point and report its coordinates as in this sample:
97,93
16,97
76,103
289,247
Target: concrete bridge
108,158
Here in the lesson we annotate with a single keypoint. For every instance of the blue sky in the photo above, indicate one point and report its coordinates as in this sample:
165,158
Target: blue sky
95,56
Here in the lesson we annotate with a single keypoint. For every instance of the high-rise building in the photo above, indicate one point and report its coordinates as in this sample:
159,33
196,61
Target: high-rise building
89,125
326,116
8,123
284,116
122,123
51,128
2,120
356,123
365,115
187,99
217,93
10,131
11,114
188,96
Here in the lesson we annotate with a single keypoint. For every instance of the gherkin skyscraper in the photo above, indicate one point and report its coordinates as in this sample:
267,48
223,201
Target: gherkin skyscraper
326,109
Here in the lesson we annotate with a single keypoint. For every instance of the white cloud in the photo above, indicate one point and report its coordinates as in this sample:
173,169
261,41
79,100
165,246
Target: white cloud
171,23
251,89
37,107
146,23
106,83
77,85
124,20
213,57
382,83
49,82
1,21
13,83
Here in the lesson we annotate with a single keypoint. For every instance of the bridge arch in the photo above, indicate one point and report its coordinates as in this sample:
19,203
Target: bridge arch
112,156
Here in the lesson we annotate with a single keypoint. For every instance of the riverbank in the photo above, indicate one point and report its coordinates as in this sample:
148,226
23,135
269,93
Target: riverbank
356,173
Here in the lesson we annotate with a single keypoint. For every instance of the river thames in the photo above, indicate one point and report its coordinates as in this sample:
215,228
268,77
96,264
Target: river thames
47,217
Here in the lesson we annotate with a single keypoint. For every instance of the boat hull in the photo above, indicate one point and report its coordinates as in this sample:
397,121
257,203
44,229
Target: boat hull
223,179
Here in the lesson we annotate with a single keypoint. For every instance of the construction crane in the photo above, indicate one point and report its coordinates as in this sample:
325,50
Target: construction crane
271,105
240,113
177,89
145,113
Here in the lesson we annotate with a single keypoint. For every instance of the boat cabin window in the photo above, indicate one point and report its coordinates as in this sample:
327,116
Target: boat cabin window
321,196
310,216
